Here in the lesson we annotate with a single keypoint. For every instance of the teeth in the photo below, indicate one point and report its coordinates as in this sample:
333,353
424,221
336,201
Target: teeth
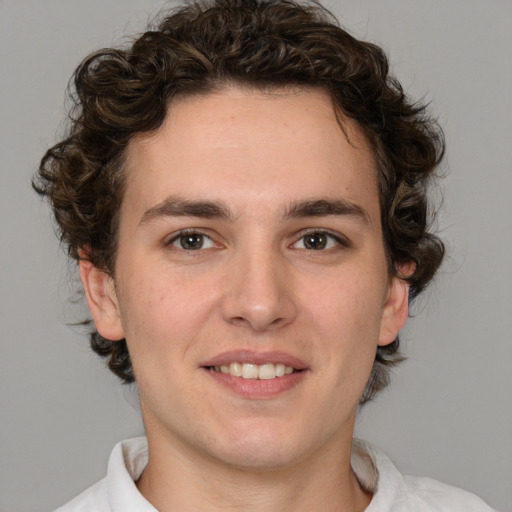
280,370
267,371
250,371
255,371
235,369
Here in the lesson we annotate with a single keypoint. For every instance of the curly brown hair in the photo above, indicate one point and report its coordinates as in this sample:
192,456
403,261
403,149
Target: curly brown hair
201,47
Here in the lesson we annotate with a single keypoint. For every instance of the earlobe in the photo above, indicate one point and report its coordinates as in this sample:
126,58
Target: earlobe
101,300
396,311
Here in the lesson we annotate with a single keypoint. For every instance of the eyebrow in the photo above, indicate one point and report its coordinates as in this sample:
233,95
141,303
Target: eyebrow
326,207
179,207
206,209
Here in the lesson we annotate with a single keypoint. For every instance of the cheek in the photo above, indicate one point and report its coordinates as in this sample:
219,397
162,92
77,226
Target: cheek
347,305
346,316
162,315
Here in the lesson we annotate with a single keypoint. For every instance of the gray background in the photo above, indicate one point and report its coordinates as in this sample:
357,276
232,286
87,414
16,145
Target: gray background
448,413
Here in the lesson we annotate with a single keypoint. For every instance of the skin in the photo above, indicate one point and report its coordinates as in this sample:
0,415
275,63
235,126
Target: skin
254,285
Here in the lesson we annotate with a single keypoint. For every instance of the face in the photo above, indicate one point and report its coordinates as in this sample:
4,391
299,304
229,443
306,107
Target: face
251,282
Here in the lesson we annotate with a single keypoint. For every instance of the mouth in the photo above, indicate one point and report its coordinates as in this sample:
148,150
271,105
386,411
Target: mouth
256,375
266,371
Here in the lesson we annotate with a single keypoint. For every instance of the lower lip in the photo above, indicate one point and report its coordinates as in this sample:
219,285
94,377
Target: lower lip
258,388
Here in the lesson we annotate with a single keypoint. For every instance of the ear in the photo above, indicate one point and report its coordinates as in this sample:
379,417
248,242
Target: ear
101,300
396,310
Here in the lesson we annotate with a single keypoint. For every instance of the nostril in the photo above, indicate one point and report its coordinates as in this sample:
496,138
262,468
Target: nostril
252,303
277,321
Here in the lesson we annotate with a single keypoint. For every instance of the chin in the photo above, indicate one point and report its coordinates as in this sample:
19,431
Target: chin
270,459
260,449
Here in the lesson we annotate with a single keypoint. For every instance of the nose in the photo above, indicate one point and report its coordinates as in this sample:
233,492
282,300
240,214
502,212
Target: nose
259,292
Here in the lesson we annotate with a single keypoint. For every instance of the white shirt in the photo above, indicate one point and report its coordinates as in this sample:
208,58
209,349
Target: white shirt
392,491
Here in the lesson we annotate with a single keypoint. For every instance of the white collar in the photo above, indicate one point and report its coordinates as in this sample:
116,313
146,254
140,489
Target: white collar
130,457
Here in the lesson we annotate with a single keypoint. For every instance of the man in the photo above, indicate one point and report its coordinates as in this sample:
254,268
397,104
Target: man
244,189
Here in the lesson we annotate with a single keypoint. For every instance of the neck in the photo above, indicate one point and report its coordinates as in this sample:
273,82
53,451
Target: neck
176,479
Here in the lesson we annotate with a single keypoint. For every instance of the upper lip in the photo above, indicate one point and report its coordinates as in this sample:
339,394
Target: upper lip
252,357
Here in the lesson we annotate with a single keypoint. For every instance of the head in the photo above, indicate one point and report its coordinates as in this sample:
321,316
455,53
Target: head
207,47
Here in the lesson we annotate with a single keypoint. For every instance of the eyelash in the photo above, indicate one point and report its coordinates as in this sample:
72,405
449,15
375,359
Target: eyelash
339,240
189,232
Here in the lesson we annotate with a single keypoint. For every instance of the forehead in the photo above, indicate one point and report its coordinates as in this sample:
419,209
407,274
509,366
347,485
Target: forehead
282,144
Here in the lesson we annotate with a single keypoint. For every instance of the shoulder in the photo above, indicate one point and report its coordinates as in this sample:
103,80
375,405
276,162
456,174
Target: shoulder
95,498
394,492
117,492
428,494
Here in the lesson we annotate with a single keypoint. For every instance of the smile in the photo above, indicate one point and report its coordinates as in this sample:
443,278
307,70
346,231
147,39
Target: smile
254,371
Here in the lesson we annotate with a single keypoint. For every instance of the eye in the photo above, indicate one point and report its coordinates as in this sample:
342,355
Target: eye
318,241
192,241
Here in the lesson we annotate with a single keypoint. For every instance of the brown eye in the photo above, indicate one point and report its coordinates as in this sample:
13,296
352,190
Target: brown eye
319,241
315,241
192,242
